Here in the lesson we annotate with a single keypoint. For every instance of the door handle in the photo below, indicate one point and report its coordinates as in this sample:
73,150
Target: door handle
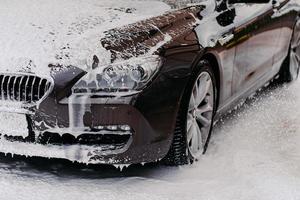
225,39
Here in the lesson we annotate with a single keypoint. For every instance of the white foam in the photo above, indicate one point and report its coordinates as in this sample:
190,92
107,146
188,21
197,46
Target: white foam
37,33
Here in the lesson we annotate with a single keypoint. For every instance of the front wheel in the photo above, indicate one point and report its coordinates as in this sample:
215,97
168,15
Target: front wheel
291,65
195,118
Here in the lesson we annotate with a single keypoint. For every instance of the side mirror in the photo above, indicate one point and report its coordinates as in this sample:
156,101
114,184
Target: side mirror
247,1
226,18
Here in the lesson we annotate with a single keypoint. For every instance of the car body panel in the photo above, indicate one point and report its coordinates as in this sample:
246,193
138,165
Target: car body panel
181,38
251,39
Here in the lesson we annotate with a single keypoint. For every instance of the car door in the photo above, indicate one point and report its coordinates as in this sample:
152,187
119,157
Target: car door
214,33
259,34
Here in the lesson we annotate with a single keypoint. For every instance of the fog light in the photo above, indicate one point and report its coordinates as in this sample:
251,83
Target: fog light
125,128
112,128
100,127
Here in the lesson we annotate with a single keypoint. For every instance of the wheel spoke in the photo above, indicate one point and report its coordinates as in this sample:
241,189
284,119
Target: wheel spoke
204,109
209,86
203,121
200,143
202,91
196,143
192,103
197,91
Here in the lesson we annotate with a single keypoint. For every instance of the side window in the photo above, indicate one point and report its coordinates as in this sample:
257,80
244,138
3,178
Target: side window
245,11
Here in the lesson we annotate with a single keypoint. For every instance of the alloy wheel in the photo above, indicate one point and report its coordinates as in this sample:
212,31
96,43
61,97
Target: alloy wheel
200,114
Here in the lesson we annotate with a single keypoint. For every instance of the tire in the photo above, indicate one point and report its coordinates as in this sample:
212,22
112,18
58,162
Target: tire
194,121
290,68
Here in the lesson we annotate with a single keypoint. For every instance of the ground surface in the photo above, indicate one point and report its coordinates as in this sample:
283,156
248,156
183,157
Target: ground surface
254,154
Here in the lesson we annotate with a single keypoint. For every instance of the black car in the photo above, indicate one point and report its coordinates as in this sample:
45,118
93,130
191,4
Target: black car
169,77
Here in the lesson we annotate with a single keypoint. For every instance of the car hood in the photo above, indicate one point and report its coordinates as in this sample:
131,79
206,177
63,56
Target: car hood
147,36
43,37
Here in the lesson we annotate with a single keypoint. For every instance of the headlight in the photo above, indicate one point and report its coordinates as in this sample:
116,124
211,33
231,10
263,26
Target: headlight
128,76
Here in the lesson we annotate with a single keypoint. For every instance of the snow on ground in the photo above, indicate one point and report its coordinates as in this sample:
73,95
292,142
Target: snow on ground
254,154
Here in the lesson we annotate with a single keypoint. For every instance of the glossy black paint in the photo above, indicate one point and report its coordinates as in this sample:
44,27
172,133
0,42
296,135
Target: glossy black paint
245,43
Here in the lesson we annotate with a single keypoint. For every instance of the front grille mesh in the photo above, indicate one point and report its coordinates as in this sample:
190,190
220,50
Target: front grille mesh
23,88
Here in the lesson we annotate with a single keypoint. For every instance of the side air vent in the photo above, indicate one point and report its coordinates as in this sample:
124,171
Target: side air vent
23,88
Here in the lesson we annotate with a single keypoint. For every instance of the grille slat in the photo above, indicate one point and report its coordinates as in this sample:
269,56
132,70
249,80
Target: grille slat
10,87
32,87
23,88
7,87
4,87
26,88
16,88
20,88
13,88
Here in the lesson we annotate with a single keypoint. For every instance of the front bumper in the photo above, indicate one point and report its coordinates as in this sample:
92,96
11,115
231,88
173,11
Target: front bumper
151,115
84,154
148,140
